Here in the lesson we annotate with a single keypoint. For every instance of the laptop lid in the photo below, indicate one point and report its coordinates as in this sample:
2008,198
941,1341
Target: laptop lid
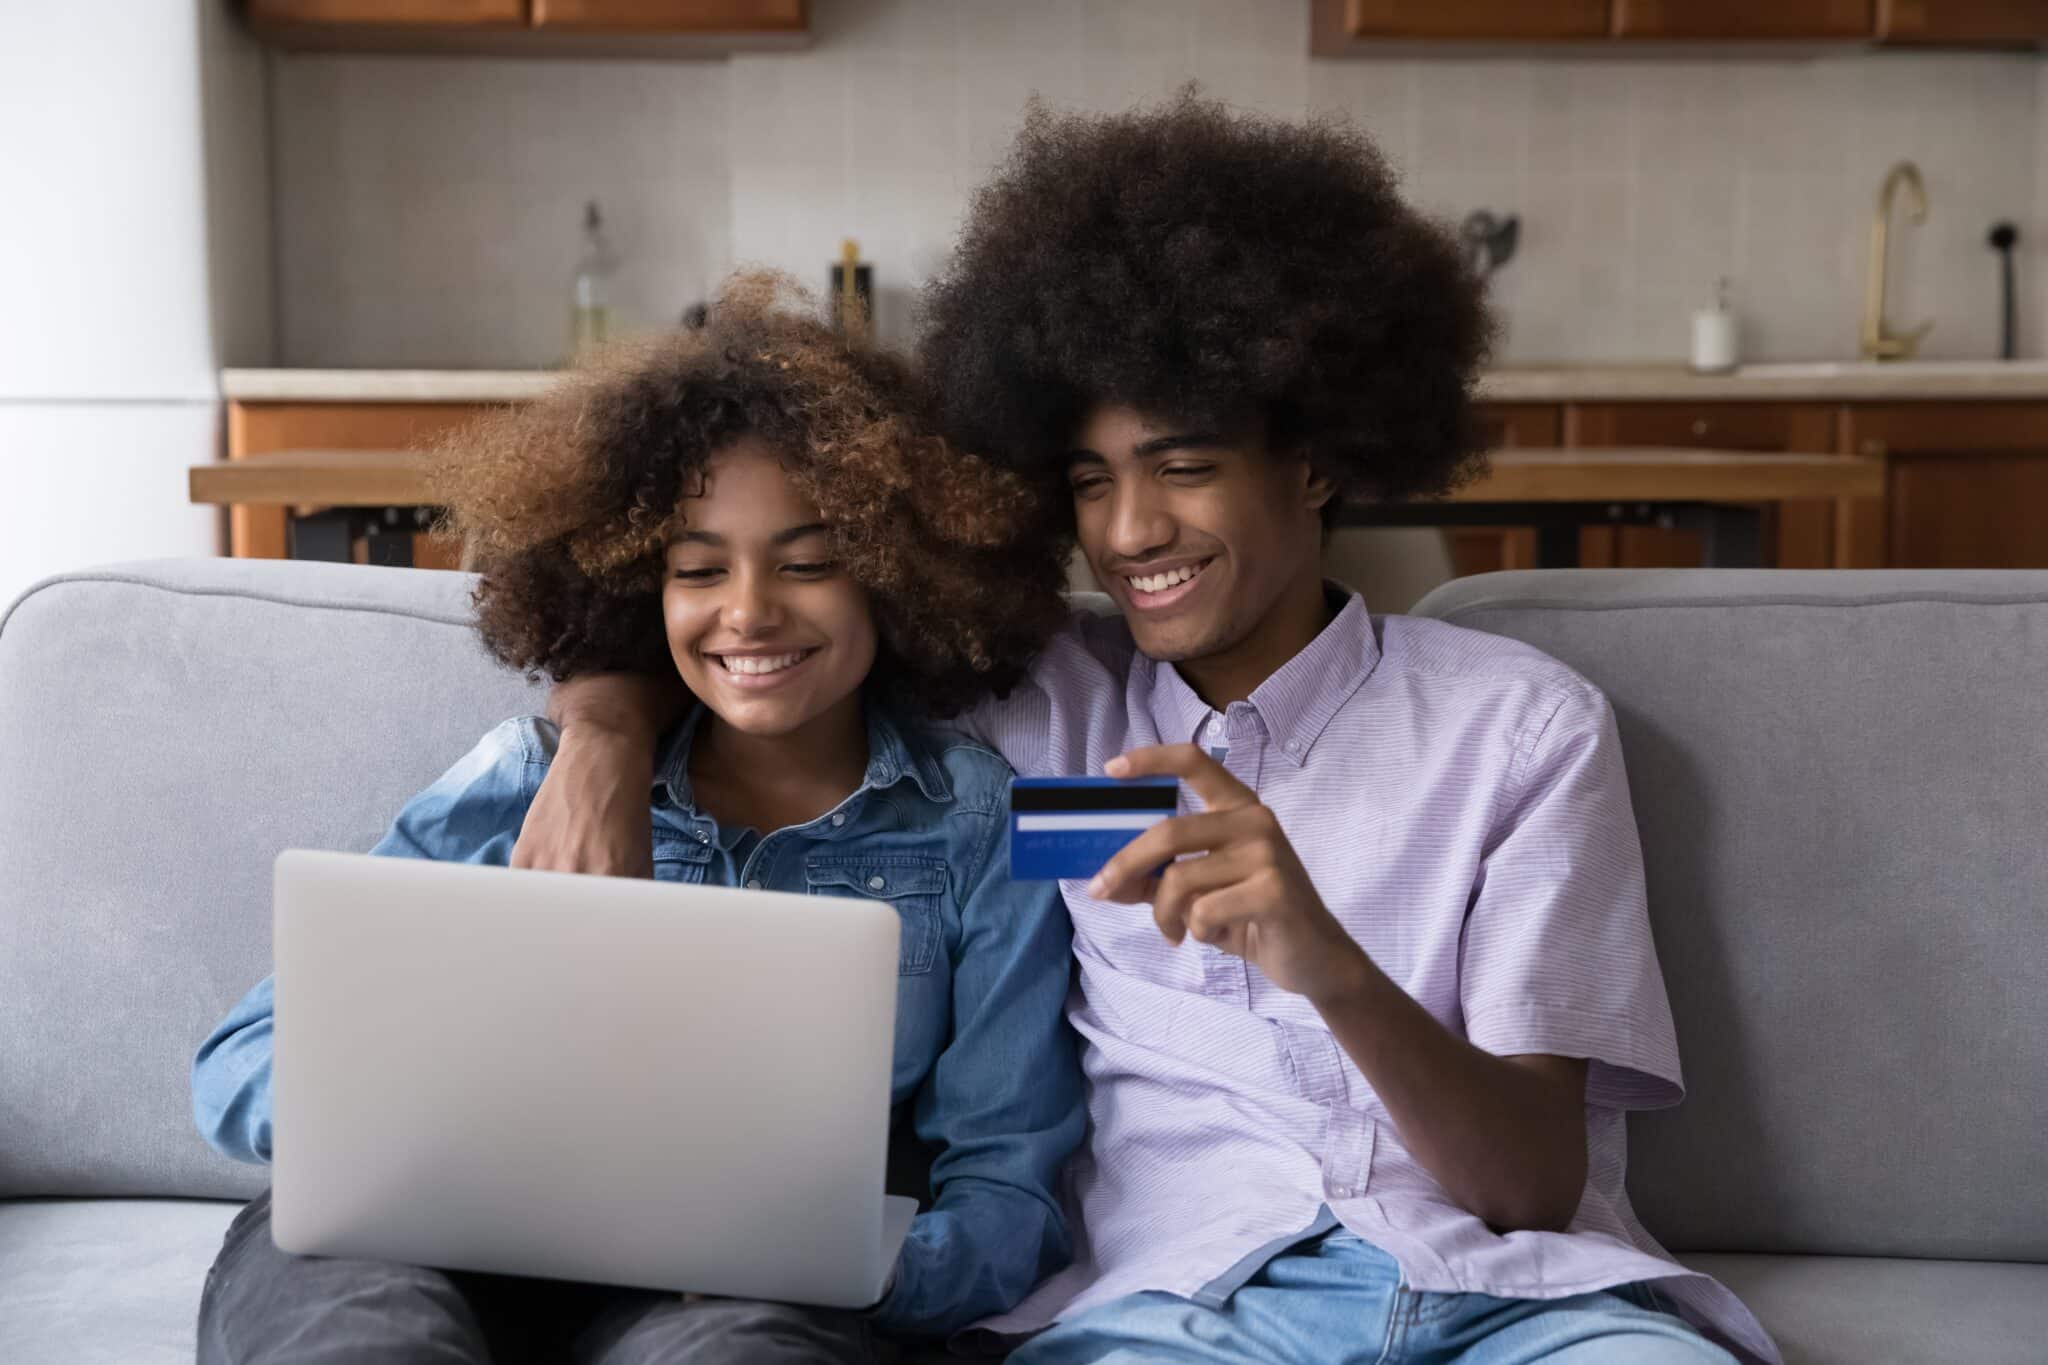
586,1078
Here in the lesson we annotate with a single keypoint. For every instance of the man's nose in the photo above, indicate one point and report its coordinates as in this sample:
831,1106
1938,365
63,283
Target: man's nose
1138,523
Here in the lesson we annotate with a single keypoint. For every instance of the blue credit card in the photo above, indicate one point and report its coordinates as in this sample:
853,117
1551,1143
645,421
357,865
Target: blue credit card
1066,828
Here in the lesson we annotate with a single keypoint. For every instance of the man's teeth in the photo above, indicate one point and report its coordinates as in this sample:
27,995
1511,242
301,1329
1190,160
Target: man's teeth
1160,582
759,663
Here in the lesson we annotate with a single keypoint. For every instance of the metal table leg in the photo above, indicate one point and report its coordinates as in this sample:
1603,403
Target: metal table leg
387,538
1730,537
328,536
1557,545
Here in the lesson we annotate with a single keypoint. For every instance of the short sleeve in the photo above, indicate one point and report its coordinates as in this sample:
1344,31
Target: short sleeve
472,812
1069,706
1557,955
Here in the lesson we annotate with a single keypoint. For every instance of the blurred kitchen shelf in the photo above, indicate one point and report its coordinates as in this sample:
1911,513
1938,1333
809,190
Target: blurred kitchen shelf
1691,28
1826,381
534,28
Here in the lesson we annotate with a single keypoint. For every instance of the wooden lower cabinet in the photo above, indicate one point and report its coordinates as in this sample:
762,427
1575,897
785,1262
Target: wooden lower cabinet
258,532
1506,426
1969,482
1801,534
1976,23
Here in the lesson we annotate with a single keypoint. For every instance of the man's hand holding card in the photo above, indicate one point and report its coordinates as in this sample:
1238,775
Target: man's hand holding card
1228,876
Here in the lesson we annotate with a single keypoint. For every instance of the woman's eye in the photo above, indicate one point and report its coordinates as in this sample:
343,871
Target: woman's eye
1084,488
817,570
693,575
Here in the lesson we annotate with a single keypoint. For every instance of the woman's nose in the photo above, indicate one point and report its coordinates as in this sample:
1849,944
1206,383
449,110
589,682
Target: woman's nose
751,606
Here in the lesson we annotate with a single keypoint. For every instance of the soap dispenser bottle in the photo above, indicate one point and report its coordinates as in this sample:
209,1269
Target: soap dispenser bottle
1713,334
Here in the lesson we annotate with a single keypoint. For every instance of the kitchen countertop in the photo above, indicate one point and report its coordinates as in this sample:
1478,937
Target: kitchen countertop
1822,381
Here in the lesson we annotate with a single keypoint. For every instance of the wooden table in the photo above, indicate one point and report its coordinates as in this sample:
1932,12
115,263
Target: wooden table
382,495
1719,493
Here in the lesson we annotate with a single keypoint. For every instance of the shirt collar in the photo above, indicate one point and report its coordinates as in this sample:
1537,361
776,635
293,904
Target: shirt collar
1297,701
894,753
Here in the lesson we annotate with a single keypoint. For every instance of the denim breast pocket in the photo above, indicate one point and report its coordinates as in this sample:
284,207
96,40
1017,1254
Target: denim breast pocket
915,887
679,858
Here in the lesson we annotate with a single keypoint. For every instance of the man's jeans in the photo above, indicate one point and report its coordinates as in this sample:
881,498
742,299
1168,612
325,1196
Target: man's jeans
1340,1299
262,1304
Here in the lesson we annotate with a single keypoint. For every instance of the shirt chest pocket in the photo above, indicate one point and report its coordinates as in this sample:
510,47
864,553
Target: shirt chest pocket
679,858
913,887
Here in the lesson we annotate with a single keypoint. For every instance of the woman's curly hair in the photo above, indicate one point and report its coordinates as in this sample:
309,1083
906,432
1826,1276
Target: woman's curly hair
565,504
1214,267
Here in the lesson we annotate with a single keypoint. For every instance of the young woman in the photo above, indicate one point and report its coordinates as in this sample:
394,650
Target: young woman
761,504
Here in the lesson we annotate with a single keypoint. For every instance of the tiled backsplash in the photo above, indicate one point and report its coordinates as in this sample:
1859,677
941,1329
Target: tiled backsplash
428,208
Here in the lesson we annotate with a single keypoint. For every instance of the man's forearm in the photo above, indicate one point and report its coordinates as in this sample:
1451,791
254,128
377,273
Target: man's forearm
591,813
1506,1137
636,704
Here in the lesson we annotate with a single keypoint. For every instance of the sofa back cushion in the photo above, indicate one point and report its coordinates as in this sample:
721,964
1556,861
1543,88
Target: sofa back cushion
1841,780
165,729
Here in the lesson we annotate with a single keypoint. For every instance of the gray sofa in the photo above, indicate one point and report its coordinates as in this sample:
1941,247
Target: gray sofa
1841,780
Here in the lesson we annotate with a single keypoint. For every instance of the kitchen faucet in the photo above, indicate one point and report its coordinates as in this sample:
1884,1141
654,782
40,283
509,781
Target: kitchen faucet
1878,342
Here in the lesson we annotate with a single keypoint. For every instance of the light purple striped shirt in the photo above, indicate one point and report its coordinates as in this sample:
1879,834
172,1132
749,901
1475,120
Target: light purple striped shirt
1459,800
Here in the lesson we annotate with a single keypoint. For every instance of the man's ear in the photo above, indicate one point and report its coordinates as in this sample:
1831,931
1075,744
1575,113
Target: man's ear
1317,488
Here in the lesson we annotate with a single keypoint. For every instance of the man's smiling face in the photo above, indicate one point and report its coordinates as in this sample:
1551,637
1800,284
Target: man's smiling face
1195,533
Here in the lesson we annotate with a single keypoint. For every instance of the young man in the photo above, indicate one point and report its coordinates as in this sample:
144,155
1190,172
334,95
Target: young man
1359,1059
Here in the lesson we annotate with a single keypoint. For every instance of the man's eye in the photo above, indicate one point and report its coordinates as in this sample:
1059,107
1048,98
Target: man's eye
1188,471
1088,487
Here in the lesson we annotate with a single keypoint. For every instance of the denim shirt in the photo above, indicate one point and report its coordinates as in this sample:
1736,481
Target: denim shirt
985,1068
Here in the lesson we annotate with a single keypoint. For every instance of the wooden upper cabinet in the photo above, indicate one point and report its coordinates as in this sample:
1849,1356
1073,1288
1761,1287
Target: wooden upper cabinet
396,13
1977,23
1738,19
672,16
1464,19
534,28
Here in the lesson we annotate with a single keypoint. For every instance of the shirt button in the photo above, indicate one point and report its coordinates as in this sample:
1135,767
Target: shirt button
754,885
1293,746
838,820
876,883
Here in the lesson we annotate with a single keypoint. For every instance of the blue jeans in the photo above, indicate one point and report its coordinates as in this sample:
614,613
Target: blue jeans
1340,1299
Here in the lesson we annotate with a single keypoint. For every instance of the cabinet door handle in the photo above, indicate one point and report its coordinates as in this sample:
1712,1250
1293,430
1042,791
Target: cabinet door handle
1701,426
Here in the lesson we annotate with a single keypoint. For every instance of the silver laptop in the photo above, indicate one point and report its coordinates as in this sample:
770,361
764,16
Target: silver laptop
584,1078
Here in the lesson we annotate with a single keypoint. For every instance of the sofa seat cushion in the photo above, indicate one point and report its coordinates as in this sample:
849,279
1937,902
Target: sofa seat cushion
1874,1310
84,1281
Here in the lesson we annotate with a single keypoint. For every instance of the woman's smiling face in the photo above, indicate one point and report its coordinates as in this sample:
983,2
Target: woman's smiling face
764,627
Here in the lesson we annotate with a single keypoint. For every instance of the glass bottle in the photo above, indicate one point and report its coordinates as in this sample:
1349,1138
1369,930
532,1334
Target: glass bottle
590,317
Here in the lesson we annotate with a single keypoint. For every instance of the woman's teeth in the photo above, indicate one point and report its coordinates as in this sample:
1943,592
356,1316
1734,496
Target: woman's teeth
761,663
1160,582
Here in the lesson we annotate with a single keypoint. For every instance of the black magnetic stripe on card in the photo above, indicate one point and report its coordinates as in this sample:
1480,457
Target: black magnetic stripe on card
1093,798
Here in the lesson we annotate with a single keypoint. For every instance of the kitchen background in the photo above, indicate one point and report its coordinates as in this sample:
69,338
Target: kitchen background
185,197
427,208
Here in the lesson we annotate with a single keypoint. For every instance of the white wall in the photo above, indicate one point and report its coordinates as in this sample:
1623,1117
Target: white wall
430,210
133,263
427,207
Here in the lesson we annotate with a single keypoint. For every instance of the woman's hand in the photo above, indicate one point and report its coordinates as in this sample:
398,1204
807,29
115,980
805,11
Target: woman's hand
591,813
